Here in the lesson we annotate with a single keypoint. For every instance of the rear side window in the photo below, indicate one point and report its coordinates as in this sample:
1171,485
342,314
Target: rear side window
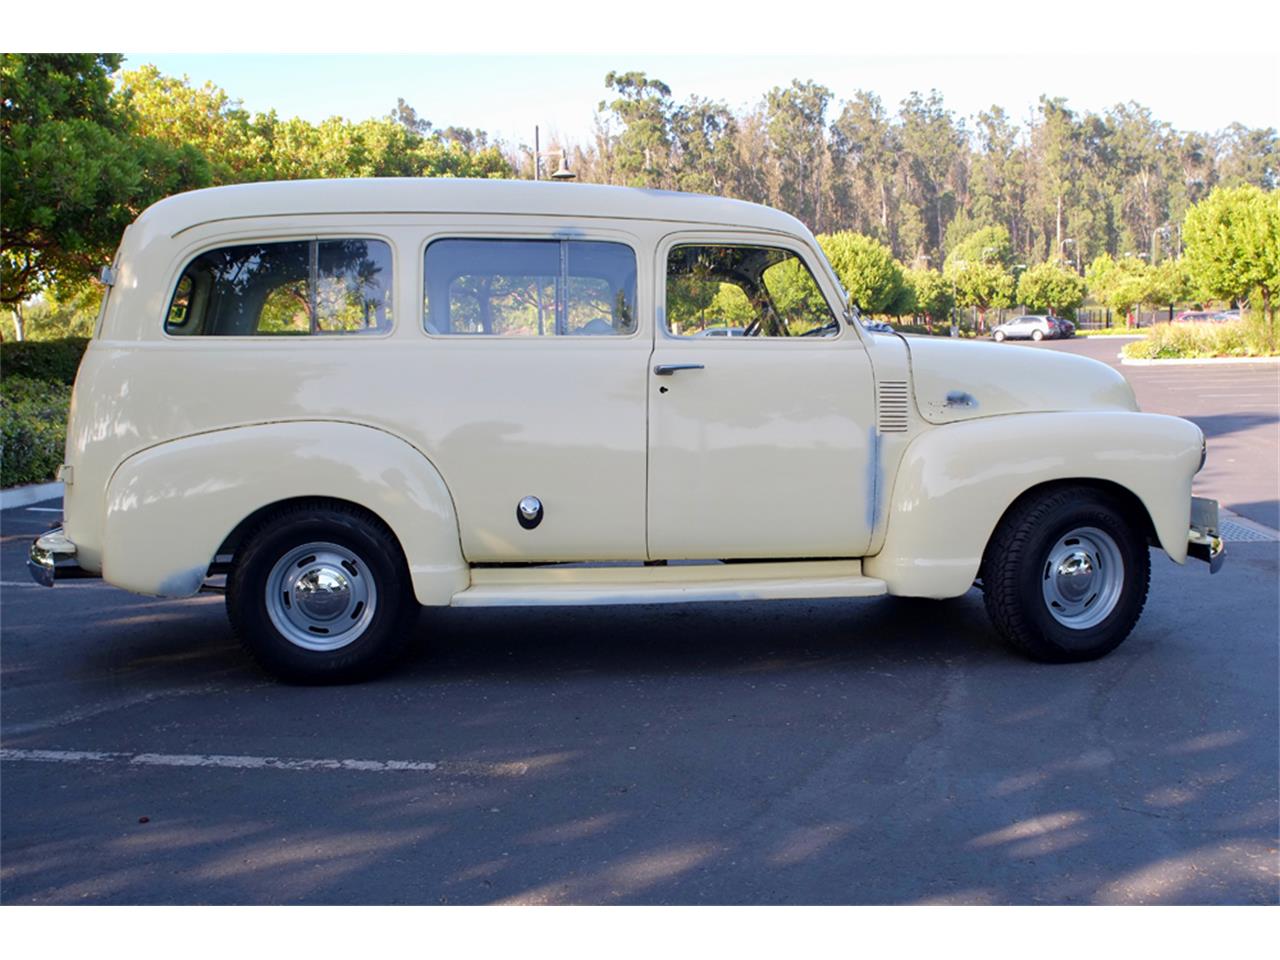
530,288
292,288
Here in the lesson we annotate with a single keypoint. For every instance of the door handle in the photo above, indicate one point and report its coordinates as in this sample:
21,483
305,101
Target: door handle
667,369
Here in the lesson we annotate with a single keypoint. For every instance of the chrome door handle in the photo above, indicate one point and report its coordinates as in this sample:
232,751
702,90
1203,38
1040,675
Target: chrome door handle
667,369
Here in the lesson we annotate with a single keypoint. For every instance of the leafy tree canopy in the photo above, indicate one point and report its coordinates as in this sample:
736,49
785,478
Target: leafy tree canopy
76,171
867,270
1051,287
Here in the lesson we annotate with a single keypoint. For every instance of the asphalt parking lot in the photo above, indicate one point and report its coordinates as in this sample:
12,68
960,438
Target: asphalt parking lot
878,751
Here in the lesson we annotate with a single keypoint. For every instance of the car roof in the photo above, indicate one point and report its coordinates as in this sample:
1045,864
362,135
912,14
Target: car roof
445,195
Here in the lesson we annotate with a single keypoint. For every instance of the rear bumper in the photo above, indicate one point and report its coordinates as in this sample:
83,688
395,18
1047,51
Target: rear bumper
53,557
1204,542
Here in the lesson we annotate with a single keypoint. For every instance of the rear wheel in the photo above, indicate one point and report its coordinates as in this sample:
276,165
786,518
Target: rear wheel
1037,335
1065,576
321,594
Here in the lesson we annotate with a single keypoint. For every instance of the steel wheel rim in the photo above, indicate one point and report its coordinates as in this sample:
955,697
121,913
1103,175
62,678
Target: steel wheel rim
1082,578
321,596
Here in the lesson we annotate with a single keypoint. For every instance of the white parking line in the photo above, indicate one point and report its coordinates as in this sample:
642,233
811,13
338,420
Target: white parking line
44,509
63,583
264,763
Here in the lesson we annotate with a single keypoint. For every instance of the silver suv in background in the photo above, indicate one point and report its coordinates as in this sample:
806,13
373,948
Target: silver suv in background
1029,327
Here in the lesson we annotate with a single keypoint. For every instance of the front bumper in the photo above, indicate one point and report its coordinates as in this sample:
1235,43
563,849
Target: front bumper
1204,542
53,557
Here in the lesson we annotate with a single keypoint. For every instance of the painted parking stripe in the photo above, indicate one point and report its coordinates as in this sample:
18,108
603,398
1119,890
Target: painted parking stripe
61,584
44,509
463,768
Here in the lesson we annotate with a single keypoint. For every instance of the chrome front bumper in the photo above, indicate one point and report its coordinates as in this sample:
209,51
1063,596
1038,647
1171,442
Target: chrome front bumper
53,557
1203,539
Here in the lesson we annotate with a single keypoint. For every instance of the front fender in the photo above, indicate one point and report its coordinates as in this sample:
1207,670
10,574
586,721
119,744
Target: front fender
955,482
169,507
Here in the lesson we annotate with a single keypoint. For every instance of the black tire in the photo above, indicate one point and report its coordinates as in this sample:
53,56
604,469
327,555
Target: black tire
1016,569
1037,335
998,336
378,640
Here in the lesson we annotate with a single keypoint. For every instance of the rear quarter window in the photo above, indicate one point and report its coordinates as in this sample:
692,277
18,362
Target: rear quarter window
285,288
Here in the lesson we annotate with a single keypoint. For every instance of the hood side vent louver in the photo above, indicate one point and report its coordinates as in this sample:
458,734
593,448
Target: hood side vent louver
892,406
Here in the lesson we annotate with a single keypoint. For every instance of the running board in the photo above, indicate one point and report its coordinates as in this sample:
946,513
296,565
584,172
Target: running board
570,585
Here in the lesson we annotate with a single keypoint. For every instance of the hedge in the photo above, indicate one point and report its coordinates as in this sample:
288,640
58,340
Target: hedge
35,394
52,361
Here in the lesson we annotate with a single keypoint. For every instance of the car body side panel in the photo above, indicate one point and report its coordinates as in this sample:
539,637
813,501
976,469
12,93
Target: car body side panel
169,507
955,482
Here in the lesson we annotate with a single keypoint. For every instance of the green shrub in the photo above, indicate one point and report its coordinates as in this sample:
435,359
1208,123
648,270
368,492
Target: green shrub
51,361
1200,341
33,428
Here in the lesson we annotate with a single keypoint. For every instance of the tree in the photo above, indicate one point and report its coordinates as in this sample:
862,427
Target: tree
864,147
867,270
796,118
643,107
932,295
1121,284
75,171
979,269
1052,287
703,132
985,245
932,141
1232,240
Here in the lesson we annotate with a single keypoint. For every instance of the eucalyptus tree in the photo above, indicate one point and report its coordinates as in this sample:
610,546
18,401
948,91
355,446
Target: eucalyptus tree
865,149
932,140
642,150
797,126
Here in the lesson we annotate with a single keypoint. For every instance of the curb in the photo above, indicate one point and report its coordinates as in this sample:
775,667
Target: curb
1180,362
31,493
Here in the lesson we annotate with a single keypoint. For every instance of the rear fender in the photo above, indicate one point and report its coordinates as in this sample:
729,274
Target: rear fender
169,507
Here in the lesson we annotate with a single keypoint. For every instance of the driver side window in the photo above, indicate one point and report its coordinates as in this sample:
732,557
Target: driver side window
731,290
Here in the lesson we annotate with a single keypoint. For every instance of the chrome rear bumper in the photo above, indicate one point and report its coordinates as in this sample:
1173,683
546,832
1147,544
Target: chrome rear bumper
1204,542
53,557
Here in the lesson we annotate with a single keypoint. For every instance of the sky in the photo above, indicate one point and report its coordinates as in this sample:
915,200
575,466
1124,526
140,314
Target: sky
507,95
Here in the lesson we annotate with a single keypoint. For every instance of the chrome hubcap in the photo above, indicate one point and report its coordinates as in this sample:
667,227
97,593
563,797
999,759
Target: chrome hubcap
321,596
1083,577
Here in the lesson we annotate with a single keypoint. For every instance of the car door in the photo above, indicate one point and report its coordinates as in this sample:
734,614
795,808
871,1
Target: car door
761,445
533,387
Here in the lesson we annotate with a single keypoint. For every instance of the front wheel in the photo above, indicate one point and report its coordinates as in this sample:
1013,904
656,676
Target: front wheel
320,593
998,336
1065,576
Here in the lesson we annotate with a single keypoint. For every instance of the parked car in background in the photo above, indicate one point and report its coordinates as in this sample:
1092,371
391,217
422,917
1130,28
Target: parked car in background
877,326
1194,316
1226,316
350,398
1065,327
722,332
1030,327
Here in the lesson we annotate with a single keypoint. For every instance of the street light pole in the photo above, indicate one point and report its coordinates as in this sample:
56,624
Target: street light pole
562,172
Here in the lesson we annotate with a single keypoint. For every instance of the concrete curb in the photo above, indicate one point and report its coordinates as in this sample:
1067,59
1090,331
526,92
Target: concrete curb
31,493
1187,363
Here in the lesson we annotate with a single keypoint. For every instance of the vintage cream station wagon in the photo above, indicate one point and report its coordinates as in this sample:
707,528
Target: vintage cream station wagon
352,398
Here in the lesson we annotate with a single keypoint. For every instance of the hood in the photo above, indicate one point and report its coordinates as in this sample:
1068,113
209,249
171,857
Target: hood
962,380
